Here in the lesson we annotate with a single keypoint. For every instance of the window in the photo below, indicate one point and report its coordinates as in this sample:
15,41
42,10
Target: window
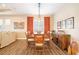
41,25
1,24
5,24
38,25
7,21
35,25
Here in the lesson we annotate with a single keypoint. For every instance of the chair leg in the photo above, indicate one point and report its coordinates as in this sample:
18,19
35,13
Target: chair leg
28,44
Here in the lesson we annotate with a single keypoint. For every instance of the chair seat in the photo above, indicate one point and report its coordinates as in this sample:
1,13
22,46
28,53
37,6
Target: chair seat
39,44
30,39
46,39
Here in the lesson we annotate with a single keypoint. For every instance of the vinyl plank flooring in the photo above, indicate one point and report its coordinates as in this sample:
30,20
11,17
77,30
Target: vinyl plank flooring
19,47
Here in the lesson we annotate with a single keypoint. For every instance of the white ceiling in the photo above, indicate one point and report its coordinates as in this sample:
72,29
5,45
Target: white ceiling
30,8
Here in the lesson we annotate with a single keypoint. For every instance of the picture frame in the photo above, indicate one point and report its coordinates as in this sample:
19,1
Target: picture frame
63,24
18,25
70,23
59,25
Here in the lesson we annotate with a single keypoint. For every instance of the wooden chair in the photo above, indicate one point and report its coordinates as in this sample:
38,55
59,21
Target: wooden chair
39,41
30,38
47,37
54,37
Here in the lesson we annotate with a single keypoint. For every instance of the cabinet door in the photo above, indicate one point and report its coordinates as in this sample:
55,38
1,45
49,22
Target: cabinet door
13,36
5,39
0,37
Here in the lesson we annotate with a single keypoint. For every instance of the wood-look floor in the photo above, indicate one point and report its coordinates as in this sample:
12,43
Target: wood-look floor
20,48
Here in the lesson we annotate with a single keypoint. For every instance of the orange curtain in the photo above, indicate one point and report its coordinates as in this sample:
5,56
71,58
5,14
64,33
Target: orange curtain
30,24
46,25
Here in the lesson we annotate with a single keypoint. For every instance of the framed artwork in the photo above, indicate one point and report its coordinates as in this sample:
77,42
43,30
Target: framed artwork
18,25
70,23
59,25
63,24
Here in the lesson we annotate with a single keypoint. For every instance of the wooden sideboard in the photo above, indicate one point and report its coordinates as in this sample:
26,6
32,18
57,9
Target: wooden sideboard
64,41
61,39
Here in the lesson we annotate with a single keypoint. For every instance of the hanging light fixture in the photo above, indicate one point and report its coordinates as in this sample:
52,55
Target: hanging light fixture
38,17
39,11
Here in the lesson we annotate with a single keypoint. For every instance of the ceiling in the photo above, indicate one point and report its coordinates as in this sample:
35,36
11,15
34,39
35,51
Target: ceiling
30,8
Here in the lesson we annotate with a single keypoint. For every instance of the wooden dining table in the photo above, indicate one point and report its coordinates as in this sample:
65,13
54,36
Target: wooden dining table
38,40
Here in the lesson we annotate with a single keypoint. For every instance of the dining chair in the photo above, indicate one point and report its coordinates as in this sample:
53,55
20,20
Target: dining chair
39,41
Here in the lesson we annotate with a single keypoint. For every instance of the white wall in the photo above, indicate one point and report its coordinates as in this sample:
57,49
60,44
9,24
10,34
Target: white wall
20,32
67,11
15,18
51,23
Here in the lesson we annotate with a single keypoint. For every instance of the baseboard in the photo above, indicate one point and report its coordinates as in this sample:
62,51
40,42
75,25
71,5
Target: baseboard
21,38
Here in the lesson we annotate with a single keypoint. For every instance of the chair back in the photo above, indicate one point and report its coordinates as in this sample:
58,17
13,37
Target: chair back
39,38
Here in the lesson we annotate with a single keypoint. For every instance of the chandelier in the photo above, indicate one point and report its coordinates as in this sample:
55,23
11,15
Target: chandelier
39,11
